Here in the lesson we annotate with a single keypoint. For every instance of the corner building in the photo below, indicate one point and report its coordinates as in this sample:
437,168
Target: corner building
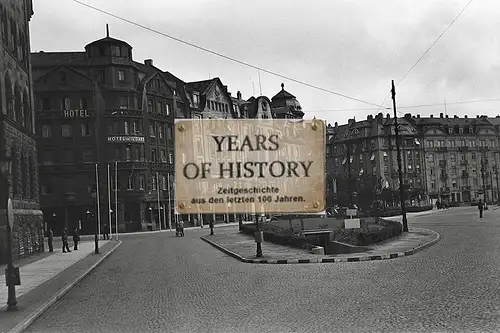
18,151
100,107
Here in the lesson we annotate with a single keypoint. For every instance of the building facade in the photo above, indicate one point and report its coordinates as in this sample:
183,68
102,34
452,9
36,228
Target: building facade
442,158
18,150
100,109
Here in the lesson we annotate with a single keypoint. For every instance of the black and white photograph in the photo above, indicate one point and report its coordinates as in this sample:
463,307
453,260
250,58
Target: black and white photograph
256,166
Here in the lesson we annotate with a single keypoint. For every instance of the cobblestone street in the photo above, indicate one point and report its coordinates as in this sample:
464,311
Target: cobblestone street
162,283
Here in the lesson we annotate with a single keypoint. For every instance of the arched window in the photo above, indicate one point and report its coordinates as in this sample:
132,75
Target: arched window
9,96
18,105
28,122
15,172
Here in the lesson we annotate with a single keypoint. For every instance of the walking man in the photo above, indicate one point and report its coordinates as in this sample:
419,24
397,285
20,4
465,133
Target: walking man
76,238
480,206
64,239
105,232
51,239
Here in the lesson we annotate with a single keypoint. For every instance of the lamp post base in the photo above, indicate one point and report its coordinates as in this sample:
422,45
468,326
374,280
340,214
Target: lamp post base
259,250
96,241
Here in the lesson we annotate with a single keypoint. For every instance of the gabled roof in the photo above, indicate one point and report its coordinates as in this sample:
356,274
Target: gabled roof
202,86
65,67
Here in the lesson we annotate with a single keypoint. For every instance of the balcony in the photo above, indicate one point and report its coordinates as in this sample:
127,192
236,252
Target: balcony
441,149
465,175
464,162
442,164
132,165
463,149
465,188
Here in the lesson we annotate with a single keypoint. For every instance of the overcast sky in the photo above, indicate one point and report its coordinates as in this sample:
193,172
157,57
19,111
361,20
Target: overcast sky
353,47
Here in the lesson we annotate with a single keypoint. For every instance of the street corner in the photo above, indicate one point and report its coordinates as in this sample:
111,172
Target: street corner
223,249
431,238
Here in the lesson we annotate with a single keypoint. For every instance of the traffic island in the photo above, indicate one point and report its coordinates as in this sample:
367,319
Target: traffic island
242,247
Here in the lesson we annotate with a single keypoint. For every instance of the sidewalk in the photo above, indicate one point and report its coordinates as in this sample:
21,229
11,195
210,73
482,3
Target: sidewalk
243,248
46,280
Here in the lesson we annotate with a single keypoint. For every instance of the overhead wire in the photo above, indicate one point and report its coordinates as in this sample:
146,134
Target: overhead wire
224,56
427,50
408,106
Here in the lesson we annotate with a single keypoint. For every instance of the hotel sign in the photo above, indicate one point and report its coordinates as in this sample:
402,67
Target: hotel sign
125,139
249,166
77,114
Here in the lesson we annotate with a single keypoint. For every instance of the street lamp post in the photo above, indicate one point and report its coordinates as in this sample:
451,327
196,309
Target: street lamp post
483,171
396,132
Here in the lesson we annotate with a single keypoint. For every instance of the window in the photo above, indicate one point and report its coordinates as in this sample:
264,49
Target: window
86,129
117,51
130,183
66,131
83,103
167,109
153,155
433,184
128,154
152,130
87,155
47,158
159,107
63,78
160,131
169,132
141,182
170,158
65,103
163,155
125,124
46,131
153,181
164,182
461,130
101,76
45,104
123,102
121,76
150,105
196,100
46,189
135,128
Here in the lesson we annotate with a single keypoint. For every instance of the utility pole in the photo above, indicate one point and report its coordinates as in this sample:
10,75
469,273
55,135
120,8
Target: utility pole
401,189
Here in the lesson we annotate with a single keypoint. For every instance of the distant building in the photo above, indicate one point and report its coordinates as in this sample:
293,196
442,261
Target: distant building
18,151
100,106
449,159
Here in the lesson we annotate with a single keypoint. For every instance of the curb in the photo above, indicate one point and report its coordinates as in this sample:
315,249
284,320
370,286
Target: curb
327,260
38,312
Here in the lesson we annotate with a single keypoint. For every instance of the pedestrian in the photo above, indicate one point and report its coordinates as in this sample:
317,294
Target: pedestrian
480,206
51,239
76,238
64,239
105,232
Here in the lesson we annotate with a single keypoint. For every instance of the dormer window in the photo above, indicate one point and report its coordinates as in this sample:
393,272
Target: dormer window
461,130
450,130
117,51
121,76
196,99
471,130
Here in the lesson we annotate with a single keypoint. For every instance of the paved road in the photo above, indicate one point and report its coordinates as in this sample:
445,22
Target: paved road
160,283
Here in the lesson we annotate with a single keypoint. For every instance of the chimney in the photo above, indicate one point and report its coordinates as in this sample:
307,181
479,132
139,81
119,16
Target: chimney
225,88
351,122
455,116
418,116
238,95
477,116
465,116
388,116
432,116
441,115
446,116
148,62
407,115
336,125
